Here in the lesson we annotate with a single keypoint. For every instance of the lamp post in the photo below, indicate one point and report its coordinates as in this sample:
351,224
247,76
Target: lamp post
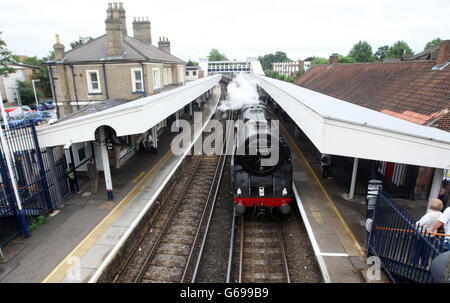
35,95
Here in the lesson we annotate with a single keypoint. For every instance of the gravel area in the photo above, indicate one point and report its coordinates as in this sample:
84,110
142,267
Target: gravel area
303,267
213,266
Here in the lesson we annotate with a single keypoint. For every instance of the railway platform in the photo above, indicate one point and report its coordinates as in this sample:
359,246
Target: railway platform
334,225
73,243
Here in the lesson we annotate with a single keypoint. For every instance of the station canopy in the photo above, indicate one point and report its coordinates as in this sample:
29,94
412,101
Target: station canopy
134,117
341,128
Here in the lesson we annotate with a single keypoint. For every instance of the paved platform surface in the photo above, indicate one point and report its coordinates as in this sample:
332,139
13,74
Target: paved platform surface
333,223
74,241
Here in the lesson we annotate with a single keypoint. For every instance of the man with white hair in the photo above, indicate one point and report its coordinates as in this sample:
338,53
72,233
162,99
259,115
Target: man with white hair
430,218
444,219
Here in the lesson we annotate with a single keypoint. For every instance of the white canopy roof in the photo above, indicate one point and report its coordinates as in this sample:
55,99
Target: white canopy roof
342,128
133,117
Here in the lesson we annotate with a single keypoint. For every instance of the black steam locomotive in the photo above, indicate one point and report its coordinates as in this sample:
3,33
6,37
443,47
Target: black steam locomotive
261,170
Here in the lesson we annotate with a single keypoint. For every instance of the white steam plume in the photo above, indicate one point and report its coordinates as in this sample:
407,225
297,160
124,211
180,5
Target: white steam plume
241,91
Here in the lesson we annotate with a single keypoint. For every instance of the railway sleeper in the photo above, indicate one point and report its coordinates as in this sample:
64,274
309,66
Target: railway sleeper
161,274
174,249
163,260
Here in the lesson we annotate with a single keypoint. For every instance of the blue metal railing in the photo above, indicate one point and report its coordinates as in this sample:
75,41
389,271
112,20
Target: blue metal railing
35,187
405,251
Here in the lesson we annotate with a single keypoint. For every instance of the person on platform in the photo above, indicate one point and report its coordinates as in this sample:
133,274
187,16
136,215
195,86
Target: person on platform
325,162
93,175
430,218
444,219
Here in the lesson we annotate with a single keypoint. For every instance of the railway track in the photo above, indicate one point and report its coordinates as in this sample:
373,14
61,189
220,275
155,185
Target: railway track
166,251
259,253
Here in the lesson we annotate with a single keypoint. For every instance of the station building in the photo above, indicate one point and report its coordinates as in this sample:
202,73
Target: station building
249,66
114,65
288,68
413,88
109,71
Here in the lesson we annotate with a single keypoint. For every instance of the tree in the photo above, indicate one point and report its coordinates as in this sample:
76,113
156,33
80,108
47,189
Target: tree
215,55
42,74
361,52
432,43
399,49
381,53
6,57
319,60
191,63
26,92
81,41
267,60
271,73
299,73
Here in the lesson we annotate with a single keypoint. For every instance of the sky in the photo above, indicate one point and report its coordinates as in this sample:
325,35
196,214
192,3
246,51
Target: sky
238,28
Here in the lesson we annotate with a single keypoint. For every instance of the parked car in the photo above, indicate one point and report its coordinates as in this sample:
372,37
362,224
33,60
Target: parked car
34,118
48,105
13,123
27,109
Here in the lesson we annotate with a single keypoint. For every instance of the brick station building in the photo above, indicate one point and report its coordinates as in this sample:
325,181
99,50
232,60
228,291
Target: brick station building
113,65
414,88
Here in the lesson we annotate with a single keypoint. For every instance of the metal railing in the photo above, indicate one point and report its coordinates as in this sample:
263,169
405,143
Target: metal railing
36,190
405,251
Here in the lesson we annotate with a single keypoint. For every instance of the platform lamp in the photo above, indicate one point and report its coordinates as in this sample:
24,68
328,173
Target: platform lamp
35,95
21,215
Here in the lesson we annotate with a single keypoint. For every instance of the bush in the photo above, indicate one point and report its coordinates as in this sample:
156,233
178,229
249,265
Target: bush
27,93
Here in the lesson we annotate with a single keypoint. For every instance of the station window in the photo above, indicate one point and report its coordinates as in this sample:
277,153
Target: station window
137,80
93,82
187,73
194,73
156,79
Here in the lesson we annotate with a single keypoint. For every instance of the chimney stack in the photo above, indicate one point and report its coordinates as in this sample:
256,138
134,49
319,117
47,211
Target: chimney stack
444,52
142,29
164,44
59,49
123,19
333,59
114,31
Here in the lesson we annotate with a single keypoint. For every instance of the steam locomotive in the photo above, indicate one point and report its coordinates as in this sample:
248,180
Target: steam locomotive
261,170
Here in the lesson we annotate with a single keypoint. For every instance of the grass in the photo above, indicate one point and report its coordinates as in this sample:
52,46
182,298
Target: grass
40,221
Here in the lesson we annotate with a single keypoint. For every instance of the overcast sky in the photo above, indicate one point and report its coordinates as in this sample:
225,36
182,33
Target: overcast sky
238,28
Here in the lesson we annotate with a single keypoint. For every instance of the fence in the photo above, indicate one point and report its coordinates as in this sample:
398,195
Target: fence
405,251
31,167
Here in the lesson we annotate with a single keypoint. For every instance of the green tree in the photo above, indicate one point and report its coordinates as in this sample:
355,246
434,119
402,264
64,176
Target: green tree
299,73
191,63
362,52
319,60
381,53
399,49
215,55
281,77
267,60
81,41
434,42
42,74
26,92
6,57
271,73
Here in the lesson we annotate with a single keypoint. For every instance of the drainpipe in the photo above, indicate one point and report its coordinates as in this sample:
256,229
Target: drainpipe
54,91
143,79
74,86
106,83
